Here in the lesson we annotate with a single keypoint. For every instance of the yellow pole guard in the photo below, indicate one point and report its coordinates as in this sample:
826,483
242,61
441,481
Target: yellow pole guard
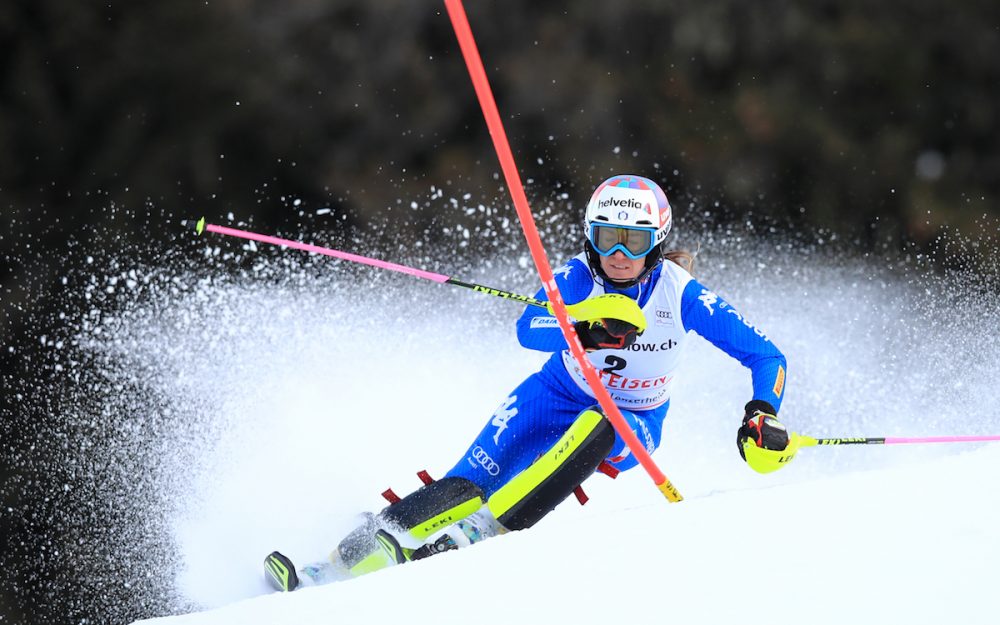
607,306
804,441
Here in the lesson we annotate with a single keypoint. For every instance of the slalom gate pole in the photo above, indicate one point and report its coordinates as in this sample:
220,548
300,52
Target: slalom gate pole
481,84
200,226
809,441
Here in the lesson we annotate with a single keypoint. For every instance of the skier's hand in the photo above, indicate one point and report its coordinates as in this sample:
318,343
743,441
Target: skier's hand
762,440
761,426
606,334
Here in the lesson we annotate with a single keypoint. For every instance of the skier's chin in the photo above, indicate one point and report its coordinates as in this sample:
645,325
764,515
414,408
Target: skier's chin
621,283
621,276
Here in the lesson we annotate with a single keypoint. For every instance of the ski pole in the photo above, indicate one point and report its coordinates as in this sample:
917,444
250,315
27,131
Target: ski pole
583,311
481,85
809,441
200,226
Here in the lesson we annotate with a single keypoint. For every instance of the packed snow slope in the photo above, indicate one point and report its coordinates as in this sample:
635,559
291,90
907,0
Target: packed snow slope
916,543
229,400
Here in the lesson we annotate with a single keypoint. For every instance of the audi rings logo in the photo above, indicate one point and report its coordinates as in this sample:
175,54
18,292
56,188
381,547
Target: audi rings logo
485,461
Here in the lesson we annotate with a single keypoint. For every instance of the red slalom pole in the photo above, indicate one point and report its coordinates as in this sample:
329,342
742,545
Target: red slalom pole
467,42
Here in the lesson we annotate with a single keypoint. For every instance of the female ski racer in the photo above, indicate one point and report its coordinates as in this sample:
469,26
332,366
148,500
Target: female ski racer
548,436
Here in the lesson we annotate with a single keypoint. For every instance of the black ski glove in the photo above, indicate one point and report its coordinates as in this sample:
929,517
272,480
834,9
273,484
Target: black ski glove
606,334
762,427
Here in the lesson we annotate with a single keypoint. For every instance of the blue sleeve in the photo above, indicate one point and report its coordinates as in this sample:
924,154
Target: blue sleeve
537,329
713,318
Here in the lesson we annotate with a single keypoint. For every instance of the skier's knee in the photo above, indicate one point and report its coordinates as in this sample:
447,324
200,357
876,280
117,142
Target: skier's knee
537,490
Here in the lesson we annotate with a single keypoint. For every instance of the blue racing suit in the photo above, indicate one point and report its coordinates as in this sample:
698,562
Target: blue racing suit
539,411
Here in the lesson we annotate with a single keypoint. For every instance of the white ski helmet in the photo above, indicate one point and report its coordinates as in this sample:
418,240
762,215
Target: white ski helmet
630,214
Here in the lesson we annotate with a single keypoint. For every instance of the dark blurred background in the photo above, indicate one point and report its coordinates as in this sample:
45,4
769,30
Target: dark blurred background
876,122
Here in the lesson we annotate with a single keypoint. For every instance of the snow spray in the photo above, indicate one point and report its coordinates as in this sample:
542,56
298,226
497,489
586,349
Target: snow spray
187,408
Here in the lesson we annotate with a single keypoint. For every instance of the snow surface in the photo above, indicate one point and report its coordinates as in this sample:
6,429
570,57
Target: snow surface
313,397
909,544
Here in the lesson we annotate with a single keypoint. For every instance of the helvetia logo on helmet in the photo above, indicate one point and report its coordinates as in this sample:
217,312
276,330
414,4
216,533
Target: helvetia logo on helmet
625,203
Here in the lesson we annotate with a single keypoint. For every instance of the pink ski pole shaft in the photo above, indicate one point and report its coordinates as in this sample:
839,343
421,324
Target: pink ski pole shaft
809,441
200,226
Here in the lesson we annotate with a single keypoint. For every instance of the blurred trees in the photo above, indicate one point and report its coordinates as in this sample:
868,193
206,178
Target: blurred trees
829,113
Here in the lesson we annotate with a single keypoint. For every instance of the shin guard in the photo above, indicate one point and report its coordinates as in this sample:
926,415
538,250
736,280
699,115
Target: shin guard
427,510
537,490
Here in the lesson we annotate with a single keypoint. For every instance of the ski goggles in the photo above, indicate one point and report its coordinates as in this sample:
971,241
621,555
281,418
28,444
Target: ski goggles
631,241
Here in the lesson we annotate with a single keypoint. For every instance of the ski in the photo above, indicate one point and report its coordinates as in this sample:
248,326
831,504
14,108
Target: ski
280,572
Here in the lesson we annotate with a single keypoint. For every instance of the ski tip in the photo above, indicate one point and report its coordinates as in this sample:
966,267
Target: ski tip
197,226
280,572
